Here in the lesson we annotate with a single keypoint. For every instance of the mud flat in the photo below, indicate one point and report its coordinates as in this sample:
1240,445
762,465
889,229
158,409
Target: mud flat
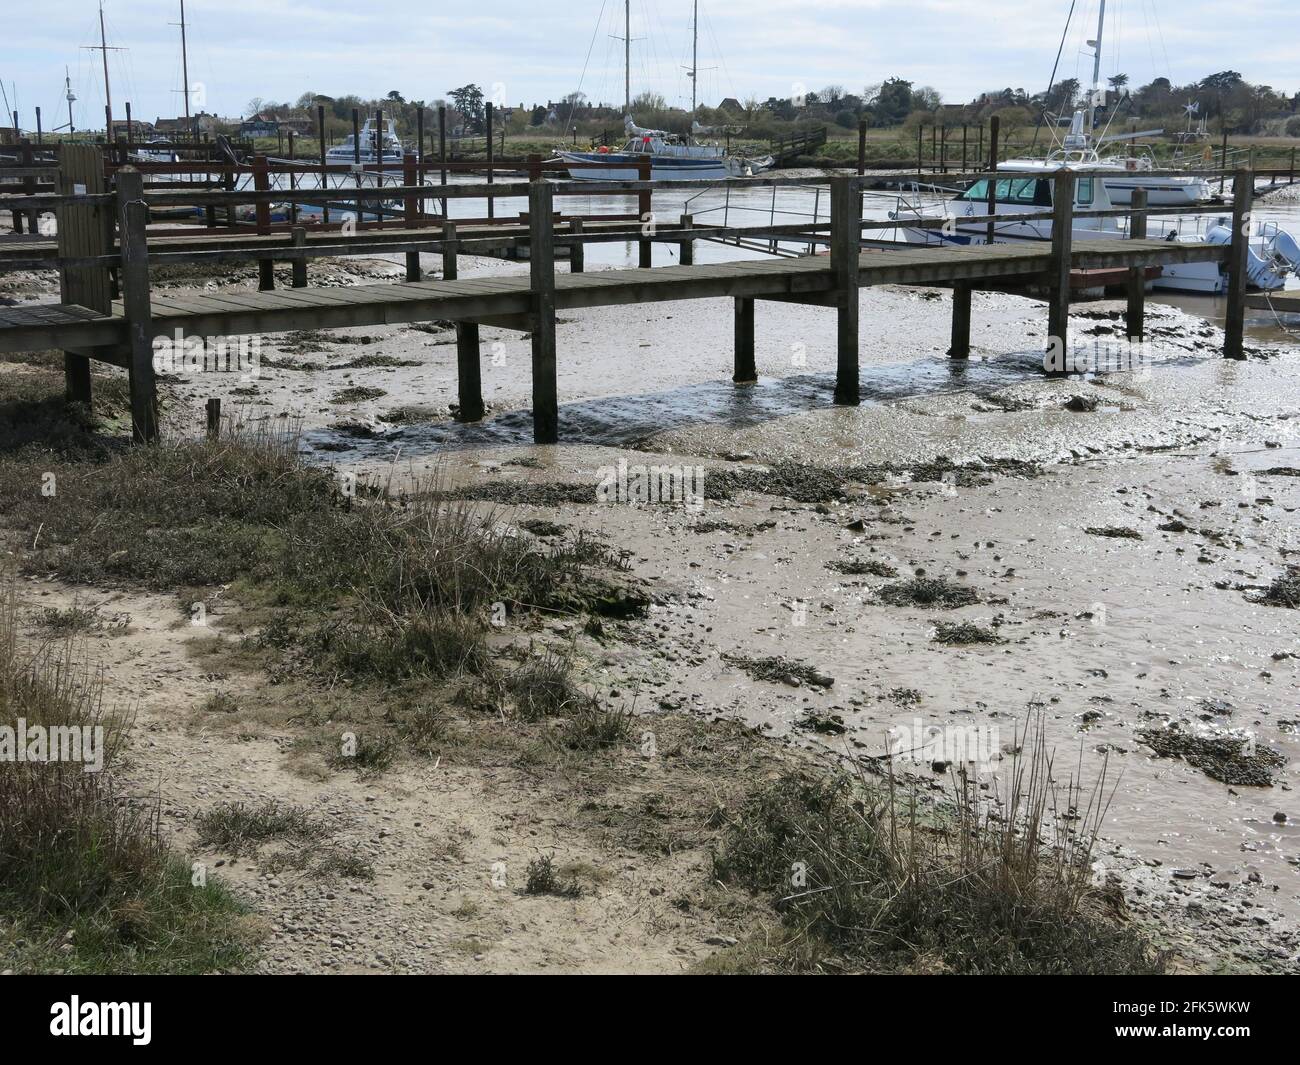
974,547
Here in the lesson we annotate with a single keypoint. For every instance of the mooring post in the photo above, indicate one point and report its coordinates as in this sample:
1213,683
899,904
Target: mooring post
299,266
846,250
645,208
411,212
213,411
133,217
83,232
1135,318
324,174
991,201
1058,271
262,183
1234,325
686,254
960,348
469,373
577,250
744,371
541,273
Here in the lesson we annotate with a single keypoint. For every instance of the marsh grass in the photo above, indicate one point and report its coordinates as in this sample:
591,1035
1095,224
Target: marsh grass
868,877
85,874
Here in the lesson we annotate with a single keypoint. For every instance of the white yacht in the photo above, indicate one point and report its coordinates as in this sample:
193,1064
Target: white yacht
374,148
1027,189
670,156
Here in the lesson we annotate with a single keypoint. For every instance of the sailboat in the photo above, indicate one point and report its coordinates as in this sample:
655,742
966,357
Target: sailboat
671,157
1124,172
374,148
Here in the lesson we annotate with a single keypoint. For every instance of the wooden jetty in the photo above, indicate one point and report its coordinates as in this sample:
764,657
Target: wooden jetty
91,323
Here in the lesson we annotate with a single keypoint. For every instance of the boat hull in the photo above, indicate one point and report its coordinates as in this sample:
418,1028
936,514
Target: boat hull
599,166
1160,193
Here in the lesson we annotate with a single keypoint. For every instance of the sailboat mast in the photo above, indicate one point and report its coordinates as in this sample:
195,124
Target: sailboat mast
108,96
695,51
1096,67
627,57
185,67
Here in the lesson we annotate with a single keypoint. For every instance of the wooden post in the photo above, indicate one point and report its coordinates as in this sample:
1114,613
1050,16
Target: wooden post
442,147
1135,318
324,176
1058,272
1223,159
687,247
419,134
83,232
469,372
262,183
991,204
920,161
577,250
963,146
960,347
744,371
645,208
1234,325
213,411
299,265
491,203
541,272
846,249
133,217
411,211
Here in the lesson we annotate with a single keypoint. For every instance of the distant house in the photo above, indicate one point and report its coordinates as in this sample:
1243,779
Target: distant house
203,122
135,128
260,125
732,106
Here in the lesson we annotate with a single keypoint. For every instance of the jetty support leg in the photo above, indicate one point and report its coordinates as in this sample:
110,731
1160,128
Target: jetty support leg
1135,318
541,271
469,370
960,347
744,372
686,255
299,266
83,232
1234,325
577,250
1058,272
133,216
846,250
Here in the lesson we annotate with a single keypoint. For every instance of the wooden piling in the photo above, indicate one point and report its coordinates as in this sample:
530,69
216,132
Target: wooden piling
960,346
1234,325
991,201
1135,316
489,114
299,266
262,183
411,211
1058,272
645,208
577,251
133,217
686,253
83,232
744,371
469,371
541,272
846,249
213,412
324,177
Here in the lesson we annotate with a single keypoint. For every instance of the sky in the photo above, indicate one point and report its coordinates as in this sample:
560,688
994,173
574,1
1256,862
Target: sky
522,51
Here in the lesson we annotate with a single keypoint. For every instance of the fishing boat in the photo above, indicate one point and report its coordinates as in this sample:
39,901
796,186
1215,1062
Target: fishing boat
1273,254
372,148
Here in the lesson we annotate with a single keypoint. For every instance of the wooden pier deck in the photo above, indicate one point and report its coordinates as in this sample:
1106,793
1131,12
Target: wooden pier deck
105,244
504,301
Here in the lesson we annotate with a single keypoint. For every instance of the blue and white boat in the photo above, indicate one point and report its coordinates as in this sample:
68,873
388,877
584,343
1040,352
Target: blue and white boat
671,158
